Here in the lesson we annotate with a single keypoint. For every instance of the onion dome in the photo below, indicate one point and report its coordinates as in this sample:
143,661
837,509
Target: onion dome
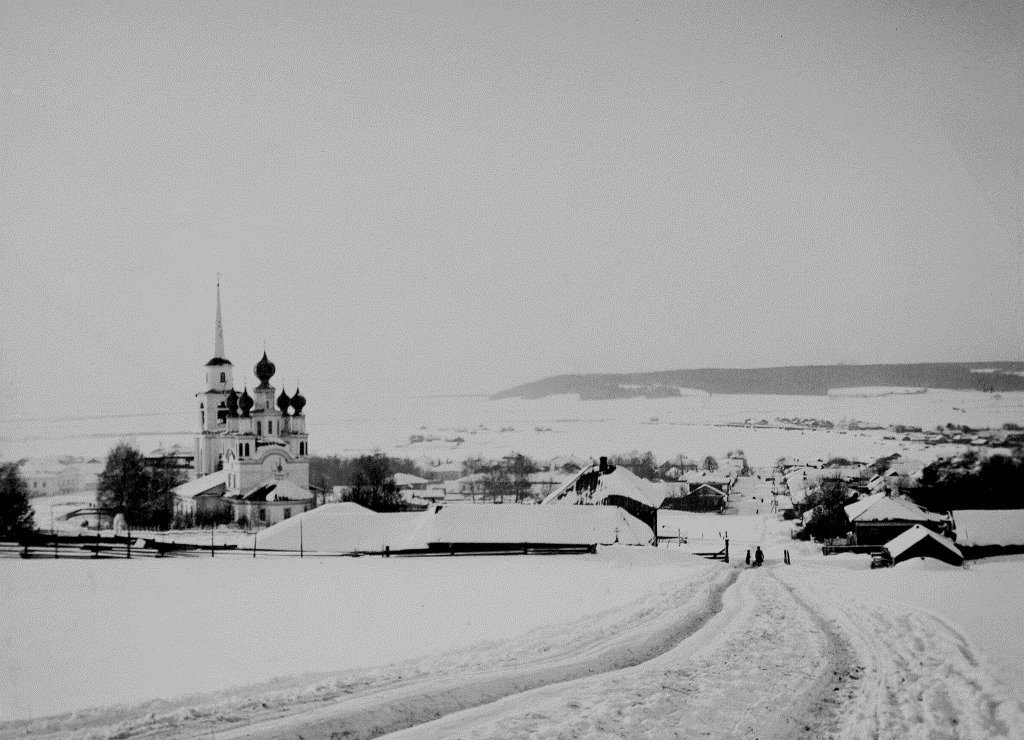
298,401
245,402
233,403
283,402
264,371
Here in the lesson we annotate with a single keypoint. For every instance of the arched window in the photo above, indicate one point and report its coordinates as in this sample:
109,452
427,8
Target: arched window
259,427
223,378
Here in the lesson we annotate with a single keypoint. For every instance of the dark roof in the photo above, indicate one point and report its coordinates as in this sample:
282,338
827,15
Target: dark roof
218,361
261,493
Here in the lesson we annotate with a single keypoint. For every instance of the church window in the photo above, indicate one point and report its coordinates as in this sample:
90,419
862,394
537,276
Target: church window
259,427
247,449
223,378
287,513
263,515
270,427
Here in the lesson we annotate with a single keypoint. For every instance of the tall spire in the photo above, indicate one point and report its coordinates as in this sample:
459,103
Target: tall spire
218,339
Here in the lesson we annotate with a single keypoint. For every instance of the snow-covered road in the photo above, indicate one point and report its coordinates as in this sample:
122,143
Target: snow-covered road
755,670
715,651
777,661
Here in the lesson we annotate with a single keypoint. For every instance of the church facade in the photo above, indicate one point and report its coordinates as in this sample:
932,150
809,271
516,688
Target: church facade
251,452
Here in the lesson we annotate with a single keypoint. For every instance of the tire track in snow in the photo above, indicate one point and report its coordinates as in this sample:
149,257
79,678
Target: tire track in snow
378,712
914,675
753,670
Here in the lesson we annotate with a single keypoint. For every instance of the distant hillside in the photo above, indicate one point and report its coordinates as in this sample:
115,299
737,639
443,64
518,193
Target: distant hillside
808,380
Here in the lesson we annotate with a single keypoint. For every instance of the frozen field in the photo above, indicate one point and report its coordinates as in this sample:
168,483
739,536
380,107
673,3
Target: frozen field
563,425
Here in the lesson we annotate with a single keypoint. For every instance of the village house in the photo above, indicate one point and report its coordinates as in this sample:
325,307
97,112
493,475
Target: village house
605,484
879,518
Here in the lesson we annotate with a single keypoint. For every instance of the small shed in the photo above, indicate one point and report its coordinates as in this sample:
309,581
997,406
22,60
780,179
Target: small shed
920,542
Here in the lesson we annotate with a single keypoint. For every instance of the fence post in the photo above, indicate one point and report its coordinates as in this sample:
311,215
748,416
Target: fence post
727,549
129,541
254,533
301,554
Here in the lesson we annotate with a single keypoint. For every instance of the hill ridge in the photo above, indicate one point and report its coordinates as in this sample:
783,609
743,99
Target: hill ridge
802,380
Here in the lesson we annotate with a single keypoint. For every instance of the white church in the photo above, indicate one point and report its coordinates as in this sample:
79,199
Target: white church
251,453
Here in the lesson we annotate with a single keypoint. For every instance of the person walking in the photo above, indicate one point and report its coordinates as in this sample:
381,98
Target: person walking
758,556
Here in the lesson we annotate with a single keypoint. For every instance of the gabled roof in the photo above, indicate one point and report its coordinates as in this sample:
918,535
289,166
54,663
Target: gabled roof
710,487
882,508
900,544
202,485
619,482
278,490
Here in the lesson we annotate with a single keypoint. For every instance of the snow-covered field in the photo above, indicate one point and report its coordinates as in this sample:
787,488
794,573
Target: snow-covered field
564,425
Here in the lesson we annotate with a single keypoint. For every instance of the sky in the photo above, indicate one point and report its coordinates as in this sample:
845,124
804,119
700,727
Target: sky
457,197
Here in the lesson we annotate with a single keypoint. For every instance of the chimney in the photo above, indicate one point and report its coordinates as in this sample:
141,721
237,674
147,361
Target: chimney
603,468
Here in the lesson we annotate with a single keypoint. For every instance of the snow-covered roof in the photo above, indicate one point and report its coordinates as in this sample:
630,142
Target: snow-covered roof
194,488
903,542
880,508
343,507
405,479
323,530
709,486
619,482
278,490
715,478
553,525
975,527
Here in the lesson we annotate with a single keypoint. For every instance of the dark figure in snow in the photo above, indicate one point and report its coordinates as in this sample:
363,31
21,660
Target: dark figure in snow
758,556
748,557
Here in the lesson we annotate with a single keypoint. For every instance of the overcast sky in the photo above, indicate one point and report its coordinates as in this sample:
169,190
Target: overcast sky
433,197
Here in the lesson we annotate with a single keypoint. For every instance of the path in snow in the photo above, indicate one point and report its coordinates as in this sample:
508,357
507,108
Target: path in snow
917,676
757,669
552,658
779,661
768,653
373,701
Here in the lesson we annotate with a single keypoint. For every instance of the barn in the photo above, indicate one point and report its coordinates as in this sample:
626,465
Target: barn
451,528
